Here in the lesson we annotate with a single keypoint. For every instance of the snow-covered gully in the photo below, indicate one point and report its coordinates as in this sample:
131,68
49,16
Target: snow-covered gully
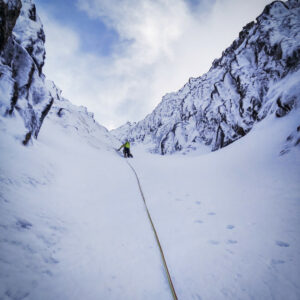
155,234
72,223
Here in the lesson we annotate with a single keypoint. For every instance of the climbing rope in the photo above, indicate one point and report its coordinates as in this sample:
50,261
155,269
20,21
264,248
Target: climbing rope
156,236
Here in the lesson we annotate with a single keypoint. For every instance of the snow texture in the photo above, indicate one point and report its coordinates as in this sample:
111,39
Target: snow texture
229,220
73,224
221,106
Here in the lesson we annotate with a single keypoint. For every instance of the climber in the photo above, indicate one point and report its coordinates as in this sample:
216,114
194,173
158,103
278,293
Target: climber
126,149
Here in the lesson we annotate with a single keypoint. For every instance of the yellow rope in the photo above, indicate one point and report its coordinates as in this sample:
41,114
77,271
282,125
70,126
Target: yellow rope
156,236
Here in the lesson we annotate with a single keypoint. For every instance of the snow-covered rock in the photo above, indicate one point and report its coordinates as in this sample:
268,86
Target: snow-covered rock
123,131
223,105
29,33
77,121
9,12
23,91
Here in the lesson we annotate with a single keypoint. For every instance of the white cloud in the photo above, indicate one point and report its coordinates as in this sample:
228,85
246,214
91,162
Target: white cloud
163,43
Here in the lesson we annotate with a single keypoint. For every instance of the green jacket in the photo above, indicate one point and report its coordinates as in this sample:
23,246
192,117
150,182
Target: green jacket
126,145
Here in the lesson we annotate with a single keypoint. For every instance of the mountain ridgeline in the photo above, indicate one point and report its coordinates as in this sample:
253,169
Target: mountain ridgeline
255,76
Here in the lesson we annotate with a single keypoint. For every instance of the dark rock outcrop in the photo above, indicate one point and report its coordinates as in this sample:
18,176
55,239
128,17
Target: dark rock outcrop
9,12
23,91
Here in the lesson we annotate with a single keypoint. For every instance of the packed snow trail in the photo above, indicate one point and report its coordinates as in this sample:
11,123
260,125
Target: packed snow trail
156,235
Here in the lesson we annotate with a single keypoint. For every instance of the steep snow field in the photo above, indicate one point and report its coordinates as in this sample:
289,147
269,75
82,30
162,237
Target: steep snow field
73,224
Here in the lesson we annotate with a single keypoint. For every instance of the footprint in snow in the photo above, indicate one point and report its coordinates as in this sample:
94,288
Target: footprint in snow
230,226
198,202
24,224
231,242
48,272
282,244
51,260
199,221
212,213
277,261
213,242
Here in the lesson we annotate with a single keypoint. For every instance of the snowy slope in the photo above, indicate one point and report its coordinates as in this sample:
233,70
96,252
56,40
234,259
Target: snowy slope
73,224
223,105
229,220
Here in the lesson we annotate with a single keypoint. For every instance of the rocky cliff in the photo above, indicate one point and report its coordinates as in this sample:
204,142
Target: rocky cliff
24,96
223,105
27,99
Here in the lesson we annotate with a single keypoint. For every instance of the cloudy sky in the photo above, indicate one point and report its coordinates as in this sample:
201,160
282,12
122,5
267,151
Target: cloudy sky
119,57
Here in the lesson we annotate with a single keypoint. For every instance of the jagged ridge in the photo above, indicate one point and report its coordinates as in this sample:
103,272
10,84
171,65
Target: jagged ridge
223,105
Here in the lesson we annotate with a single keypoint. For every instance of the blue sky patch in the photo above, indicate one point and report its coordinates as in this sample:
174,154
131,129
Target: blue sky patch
95,36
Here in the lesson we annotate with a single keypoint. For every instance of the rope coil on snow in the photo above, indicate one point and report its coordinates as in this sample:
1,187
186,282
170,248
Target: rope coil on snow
156,235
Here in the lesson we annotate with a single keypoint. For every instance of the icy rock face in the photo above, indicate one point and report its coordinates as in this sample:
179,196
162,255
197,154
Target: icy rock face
29,33
293,140
23,92
9,12
223,105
